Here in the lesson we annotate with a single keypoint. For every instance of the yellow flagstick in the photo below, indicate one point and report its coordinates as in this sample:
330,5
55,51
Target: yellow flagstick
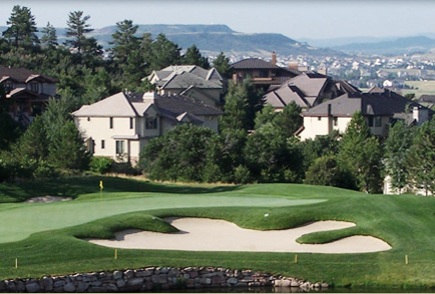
296,258
101,189
116,253
16,262
406,259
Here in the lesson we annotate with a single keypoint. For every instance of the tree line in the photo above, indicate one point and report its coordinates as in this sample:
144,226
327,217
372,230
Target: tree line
254,143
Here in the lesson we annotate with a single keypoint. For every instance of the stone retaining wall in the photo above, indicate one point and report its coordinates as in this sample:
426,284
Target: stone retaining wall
155,279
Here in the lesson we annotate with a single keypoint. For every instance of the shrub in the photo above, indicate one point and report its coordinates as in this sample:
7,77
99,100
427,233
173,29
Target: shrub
100,164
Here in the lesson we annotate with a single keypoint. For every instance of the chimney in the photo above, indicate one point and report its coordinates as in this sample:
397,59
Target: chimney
420,115
149,96
273,58
293,65
322,70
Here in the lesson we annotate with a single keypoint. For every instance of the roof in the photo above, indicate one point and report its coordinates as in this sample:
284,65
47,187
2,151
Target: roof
379,104
185,79
133,105
253,63
22,75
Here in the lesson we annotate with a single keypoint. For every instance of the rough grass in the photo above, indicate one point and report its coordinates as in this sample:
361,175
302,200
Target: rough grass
406,222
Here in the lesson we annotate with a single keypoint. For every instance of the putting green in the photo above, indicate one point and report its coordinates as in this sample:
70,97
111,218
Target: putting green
22,220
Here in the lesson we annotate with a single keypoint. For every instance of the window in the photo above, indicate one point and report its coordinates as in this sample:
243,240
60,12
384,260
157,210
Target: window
151,123
131,122
378,121
111,122
103,144
119,147
370,118
34,87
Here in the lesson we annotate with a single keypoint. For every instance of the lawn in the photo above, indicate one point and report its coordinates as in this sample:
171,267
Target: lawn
46,238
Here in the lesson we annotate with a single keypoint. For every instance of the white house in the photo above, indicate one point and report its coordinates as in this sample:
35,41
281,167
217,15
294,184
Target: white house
119,126
380,107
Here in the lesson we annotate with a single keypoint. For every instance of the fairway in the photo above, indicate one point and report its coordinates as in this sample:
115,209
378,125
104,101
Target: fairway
25,219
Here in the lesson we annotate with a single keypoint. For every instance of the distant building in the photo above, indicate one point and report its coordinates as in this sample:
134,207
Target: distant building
28,92
261,73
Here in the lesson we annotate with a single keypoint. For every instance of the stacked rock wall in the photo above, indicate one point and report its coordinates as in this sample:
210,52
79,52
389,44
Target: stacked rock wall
155,279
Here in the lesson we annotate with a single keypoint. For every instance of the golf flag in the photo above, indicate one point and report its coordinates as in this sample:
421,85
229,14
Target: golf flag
101,185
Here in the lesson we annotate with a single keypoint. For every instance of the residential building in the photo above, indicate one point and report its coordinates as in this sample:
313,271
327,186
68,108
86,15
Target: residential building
380,107
261,73
189,80
307,90
119,126
27,90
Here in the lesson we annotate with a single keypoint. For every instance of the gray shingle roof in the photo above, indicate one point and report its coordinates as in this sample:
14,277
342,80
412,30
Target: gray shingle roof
185,79
132,105
380,104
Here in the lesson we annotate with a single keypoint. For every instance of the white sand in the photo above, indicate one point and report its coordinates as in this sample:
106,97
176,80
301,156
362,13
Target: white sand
199,234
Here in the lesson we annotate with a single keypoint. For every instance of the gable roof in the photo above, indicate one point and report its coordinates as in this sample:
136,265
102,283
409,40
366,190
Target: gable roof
185,79
117,105
133,105
22,75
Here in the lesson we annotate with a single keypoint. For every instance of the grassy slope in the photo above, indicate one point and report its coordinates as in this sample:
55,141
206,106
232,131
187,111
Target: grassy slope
406,222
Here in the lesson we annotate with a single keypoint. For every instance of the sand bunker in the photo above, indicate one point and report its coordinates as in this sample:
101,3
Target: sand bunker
199,234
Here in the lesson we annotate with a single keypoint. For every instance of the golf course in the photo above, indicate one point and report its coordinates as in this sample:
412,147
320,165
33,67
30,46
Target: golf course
52,238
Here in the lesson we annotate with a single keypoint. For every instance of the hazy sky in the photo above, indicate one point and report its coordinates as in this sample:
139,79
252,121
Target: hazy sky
294,18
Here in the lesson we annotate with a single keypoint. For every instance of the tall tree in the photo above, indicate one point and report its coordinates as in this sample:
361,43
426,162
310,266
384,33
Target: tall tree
164,53
77,28
193,57
361,154
222,64
421,158
397,146
49,37
22,29
127,55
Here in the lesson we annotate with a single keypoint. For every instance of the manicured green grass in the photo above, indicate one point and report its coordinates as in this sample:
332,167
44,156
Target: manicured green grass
406,222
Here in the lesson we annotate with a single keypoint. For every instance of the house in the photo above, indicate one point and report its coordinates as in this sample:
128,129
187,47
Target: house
27,91
189,80
119,126
307,90
261,73
380,107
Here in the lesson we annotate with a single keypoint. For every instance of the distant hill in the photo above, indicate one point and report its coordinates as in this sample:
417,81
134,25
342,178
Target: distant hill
212,39
408,45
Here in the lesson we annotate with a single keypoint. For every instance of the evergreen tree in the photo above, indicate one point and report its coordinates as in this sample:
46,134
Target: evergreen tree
397,146
421,158
22,30
289,120
193,57
361,154
77,28
326,171
164,53
49,37
222,64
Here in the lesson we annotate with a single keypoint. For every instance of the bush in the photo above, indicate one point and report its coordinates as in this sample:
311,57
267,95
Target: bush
101,165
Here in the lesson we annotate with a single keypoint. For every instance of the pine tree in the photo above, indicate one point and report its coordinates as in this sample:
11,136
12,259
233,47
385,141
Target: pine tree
164,53
222,64
77,28
22,30
49,37
193,57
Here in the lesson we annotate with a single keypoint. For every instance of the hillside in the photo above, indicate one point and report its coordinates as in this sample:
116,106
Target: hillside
213,39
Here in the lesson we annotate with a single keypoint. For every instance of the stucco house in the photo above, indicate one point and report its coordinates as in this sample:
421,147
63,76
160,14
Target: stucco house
119,126
307,90
380,107
261,73
27,90
189,80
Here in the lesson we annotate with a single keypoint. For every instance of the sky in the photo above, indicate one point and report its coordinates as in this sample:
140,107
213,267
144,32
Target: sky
297,19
